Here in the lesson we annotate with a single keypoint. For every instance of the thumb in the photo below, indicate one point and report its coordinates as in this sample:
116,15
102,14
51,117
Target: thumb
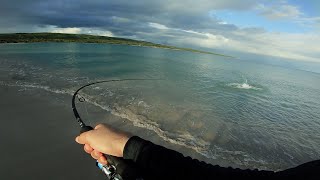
82,138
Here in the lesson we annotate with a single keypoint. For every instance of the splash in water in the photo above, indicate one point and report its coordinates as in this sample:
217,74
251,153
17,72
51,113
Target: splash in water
244,85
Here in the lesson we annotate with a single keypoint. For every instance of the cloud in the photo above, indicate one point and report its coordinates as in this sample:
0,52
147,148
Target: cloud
158,26
74,30
67,30
100,33
293,46
201,6
282,11
120,19
183,23
279,11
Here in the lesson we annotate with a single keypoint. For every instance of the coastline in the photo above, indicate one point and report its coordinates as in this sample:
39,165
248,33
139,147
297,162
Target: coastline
48,121
84,38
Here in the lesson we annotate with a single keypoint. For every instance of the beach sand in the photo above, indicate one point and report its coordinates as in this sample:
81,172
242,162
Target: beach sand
38,131
37,140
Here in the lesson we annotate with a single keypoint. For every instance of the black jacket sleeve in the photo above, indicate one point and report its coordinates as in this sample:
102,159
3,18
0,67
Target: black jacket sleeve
158,162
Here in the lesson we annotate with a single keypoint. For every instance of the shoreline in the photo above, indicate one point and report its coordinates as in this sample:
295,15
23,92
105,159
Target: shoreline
85,38
37,139
61,103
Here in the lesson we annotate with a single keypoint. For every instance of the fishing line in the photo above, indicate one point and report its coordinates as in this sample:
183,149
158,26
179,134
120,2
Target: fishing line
82,99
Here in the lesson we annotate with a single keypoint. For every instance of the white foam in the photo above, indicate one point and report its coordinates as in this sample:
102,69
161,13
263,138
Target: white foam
46,88
181,138
143,104
244,85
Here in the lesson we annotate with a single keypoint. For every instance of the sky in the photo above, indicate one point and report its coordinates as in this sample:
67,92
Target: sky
280,28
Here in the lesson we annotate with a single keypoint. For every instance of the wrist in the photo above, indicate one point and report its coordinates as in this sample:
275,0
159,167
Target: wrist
122,143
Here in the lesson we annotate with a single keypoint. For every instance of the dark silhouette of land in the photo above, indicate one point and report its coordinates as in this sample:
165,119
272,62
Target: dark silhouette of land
84,38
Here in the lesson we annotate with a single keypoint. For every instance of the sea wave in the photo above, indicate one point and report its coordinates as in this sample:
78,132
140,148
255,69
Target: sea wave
185,138
25,86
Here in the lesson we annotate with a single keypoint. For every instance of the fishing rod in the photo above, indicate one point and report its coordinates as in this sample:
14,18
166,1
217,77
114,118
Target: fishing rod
117,168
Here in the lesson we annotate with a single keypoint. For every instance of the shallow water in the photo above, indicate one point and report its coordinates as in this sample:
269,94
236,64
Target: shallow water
251,114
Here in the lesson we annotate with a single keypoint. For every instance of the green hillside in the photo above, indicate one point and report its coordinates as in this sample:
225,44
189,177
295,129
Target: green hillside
83,38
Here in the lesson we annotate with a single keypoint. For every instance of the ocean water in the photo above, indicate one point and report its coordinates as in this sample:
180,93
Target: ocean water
235,112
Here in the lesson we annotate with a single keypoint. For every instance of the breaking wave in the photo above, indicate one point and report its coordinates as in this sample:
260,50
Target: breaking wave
180,138
184,139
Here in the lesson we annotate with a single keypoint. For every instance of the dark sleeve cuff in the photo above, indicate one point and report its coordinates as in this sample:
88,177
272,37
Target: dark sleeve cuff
133,148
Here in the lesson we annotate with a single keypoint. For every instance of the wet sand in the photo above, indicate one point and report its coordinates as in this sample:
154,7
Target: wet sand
37,140
37,137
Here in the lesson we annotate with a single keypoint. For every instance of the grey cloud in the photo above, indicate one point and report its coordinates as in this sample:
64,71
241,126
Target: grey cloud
83,13
126,18
131,19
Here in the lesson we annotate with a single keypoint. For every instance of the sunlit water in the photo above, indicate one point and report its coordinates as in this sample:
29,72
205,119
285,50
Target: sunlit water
244,113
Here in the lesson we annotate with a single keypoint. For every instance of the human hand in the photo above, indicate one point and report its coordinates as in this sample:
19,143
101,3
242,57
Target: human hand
103,140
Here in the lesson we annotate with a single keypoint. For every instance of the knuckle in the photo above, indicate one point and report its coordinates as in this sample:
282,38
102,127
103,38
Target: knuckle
87,148
102,160
93,155
87,151
98,126
97,154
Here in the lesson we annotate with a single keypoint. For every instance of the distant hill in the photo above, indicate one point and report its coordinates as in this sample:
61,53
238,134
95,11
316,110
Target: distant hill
83,38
